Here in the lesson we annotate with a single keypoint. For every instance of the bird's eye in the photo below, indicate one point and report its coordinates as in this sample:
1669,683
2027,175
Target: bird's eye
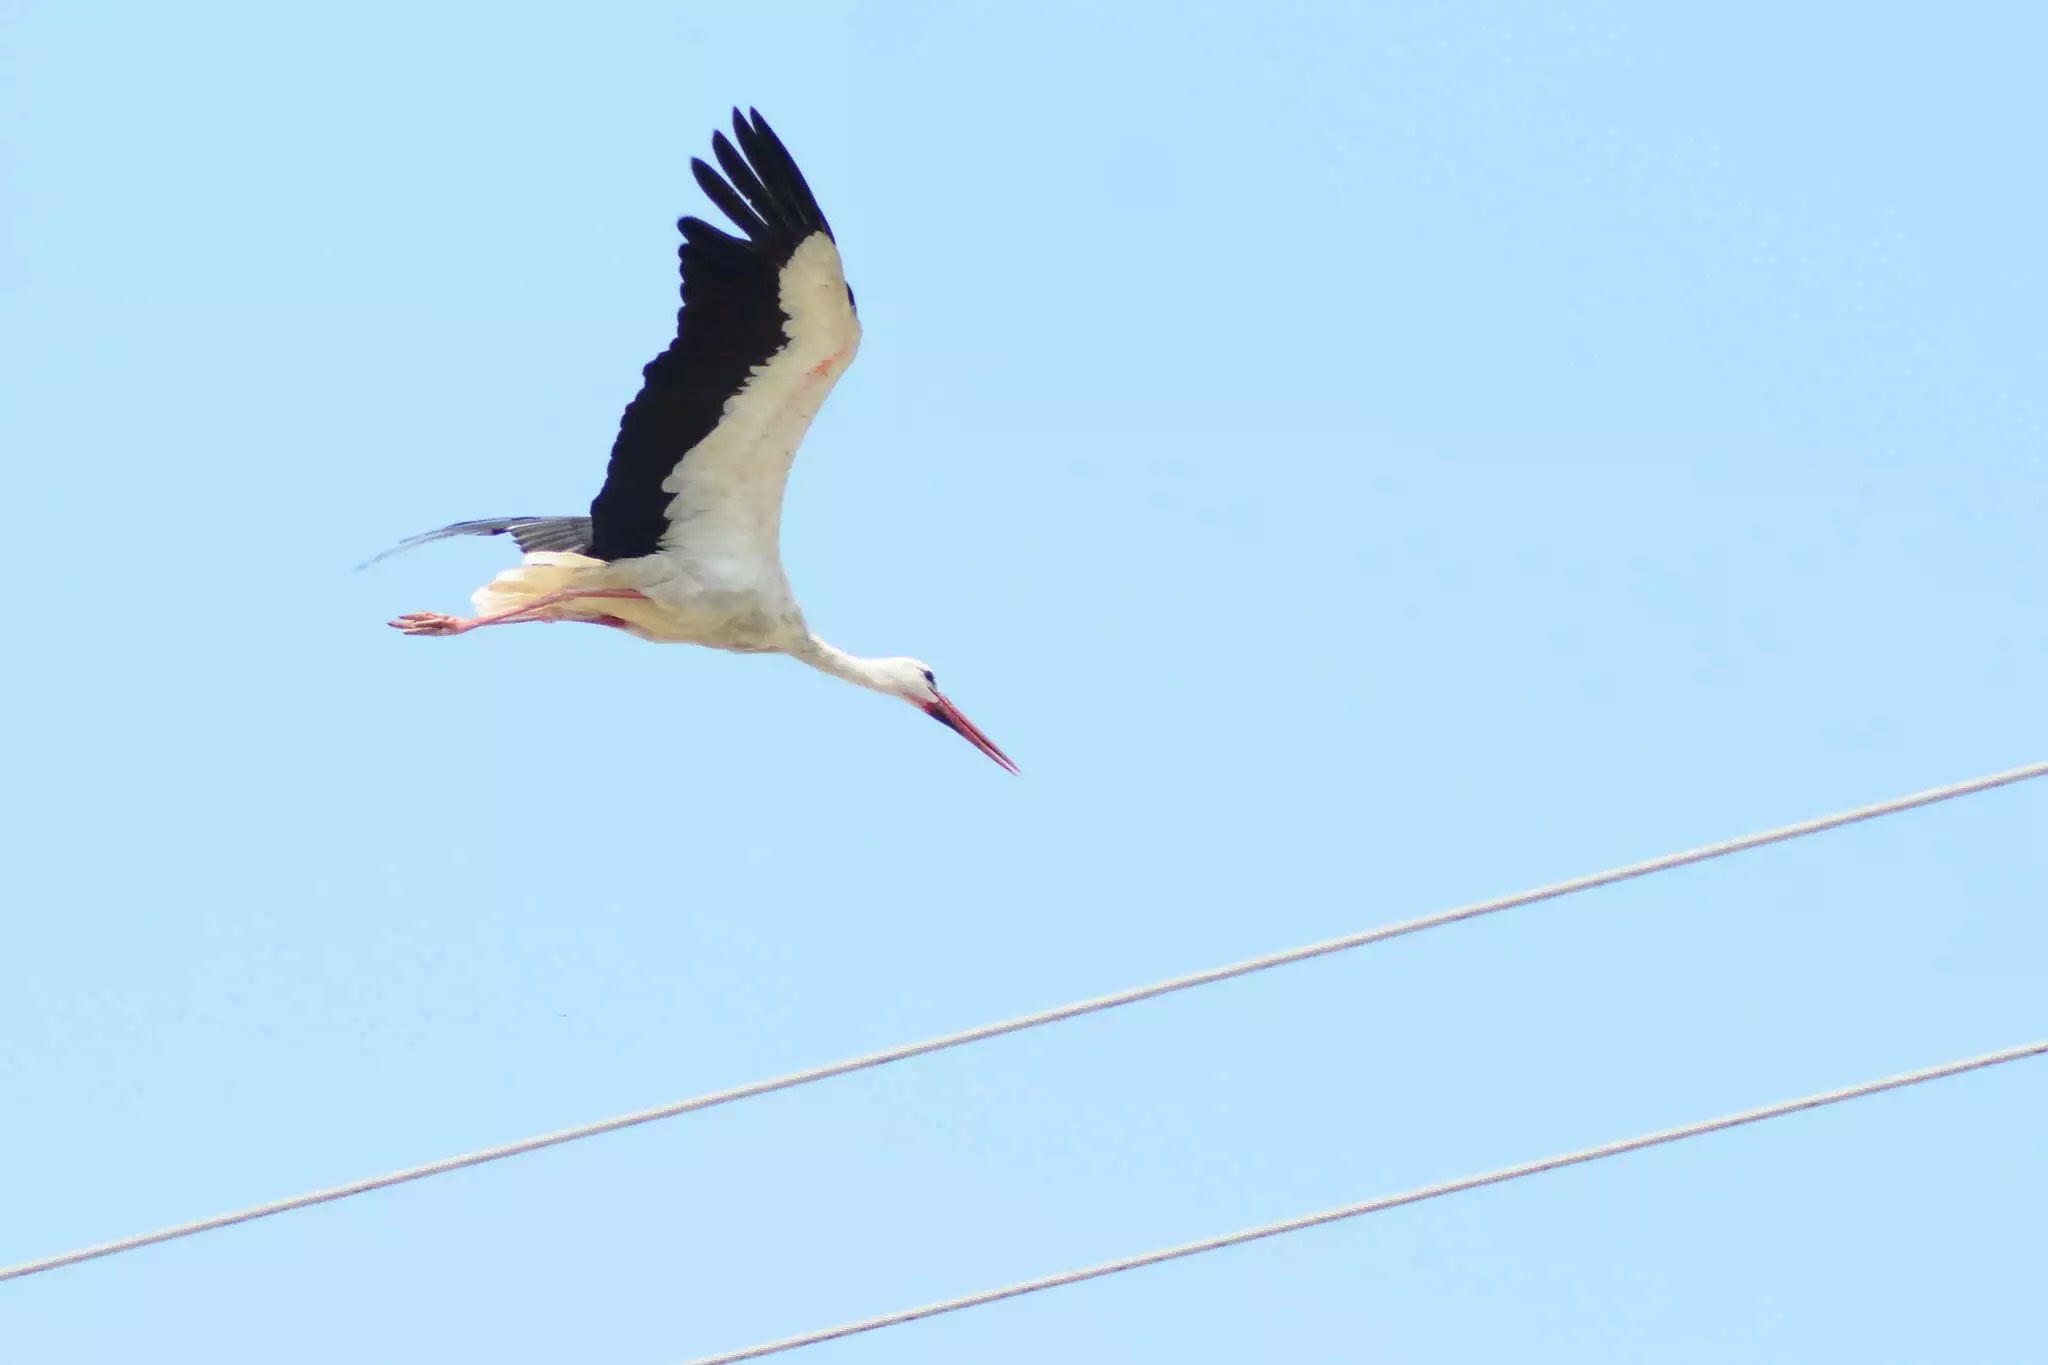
930,681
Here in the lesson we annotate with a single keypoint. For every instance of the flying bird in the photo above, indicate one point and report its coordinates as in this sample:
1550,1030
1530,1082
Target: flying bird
682,544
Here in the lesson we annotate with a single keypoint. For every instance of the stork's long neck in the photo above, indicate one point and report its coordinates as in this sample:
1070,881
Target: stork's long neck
828,658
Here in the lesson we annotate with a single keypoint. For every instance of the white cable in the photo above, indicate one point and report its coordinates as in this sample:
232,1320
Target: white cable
1030,1021
1390,1201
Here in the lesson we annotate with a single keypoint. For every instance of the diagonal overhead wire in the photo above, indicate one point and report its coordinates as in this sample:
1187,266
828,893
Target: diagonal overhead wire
1390,1201
1039,1019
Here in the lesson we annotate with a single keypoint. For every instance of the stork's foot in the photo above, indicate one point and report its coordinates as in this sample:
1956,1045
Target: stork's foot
430,623
434,623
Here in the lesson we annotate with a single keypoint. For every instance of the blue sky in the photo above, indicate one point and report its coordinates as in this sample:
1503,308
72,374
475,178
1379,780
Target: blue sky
1356,458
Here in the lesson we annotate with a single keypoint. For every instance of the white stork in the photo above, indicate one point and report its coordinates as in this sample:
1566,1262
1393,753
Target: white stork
681,544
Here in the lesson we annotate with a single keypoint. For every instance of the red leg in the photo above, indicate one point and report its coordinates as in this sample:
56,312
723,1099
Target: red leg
434,623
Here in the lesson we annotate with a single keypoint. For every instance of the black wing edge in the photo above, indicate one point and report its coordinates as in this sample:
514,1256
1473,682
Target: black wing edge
761,191
569,535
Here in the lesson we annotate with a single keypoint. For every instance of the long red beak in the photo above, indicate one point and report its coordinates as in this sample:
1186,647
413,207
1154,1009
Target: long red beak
948,715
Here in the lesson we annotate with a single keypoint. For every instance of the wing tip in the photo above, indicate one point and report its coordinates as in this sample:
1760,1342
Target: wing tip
526,532
793,206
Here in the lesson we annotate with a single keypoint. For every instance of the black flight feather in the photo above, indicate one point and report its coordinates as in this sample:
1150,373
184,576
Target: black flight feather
731,321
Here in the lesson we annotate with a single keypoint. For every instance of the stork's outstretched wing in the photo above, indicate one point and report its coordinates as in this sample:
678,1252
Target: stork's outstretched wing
766,328
528,533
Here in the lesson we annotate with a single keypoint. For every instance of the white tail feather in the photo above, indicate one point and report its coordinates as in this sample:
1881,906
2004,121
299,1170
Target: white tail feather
544,571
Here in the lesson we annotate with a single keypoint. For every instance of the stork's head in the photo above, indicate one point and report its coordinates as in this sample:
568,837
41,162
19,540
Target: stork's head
911,679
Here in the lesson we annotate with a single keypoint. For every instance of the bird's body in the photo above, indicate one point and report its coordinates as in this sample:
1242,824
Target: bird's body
672,609
683,543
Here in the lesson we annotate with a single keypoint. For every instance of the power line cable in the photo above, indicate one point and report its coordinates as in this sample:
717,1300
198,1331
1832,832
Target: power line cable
1384,1202
1019,1023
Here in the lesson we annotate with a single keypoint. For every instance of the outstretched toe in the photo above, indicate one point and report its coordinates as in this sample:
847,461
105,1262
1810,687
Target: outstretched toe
427,623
